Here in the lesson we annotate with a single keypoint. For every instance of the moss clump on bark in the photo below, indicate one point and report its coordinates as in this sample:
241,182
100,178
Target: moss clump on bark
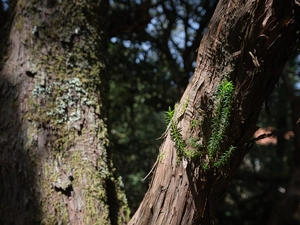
67,105
220,121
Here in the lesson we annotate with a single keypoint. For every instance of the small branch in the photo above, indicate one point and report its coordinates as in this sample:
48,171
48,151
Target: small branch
250,143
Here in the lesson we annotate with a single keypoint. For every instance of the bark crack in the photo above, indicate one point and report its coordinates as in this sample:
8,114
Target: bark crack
65,191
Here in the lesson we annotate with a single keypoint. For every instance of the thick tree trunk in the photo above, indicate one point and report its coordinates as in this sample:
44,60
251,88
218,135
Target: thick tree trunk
239,61
55,163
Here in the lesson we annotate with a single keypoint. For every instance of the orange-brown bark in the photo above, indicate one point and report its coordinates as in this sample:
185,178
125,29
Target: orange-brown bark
247,42
55,161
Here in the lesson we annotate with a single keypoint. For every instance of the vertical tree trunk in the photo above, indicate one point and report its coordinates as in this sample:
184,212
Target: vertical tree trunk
56,166
239,61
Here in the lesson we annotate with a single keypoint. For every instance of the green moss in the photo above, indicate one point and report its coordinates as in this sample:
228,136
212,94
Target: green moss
90,182
224,157
122,200
189,149
58,213
69,85
221,119
195,123
19,23
195,143
193,147
161,156
220,122
205,166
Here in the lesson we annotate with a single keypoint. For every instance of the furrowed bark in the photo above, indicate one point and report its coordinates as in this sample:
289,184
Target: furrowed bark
56,166
247,43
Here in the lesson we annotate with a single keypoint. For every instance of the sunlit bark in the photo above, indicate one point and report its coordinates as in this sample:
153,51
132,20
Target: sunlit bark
55,162
247,43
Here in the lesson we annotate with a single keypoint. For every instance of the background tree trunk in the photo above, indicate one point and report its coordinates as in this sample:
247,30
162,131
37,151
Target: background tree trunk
247,43
287,210
56,166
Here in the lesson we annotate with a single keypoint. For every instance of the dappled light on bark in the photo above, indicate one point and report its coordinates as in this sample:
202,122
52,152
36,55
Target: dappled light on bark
247,43
57,166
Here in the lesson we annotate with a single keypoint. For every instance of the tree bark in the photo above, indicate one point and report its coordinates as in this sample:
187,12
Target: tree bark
246,46
56,166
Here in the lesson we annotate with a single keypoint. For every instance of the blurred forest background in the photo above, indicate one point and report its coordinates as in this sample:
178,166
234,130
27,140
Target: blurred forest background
152,52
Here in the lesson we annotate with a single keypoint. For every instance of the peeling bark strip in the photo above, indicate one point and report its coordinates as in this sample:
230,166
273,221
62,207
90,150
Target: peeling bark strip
54,148
247,43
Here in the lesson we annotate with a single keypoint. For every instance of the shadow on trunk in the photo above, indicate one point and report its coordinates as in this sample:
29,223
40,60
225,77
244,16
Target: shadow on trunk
18,169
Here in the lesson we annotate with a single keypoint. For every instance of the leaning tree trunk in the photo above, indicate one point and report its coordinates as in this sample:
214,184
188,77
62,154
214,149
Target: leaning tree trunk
55,163
239,61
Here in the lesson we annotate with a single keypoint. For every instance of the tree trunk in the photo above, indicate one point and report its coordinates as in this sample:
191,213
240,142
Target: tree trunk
55,161
239,61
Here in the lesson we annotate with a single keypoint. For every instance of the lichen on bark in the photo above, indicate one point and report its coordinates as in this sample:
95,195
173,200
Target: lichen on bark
63,47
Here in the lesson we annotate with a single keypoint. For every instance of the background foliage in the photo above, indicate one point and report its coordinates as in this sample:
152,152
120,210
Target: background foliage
152,53
152,57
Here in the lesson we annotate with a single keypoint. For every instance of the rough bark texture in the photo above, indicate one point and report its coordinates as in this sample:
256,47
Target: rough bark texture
247,43
55,163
